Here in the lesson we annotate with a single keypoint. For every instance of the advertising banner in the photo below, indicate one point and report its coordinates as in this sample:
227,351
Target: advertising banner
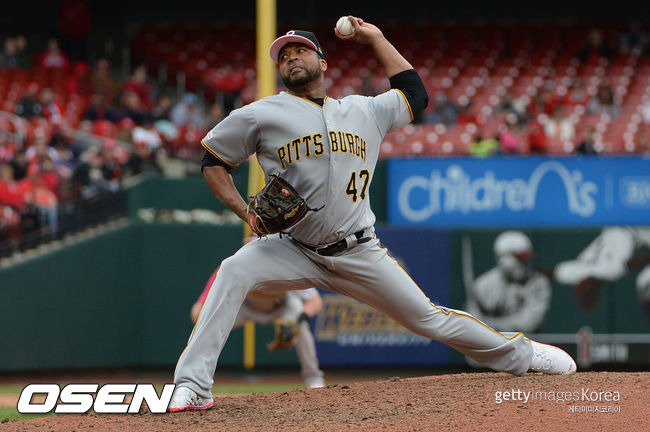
535,191
586,290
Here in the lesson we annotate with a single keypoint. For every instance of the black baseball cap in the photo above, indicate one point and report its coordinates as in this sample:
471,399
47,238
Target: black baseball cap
299,36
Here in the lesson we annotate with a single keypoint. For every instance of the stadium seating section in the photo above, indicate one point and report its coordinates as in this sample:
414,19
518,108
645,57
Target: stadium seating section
475,63
466,61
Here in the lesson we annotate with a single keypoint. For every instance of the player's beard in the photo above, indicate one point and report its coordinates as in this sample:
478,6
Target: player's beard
310,75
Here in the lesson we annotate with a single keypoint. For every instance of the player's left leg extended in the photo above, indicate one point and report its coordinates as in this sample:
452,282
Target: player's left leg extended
370,275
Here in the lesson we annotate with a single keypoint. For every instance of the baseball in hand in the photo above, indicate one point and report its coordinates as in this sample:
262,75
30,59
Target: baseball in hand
344,26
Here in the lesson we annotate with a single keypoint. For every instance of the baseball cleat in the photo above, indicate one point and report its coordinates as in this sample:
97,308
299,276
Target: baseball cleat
316,382
185,399
551,360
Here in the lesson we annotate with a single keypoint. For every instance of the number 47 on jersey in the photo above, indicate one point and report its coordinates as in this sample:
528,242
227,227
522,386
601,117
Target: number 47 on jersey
352,190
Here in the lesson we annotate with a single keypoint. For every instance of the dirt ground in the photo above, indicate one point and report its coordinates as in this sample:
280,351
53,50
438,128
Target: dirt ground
593,401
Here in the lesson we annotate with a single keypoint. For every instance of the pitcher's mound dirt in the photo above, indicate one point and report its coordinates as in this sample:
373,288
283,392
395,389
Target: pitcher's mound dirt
468,402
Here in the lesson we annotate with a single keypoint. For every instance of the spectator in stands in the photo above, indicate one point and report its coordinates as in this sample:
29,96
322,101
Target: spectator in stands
168,132
83,138
143,161
465,114
146,134
129,106
78,82
138,84
28,106
544,102
50,110
481,147
187,112
508,140
105,128
577,94
101,81
595,47
63,165
444,111
108,151
40,151
7,148
43,175
15,200
8,56
506,105
633,40
510,105
9,219
125,130
40,189
14,193
215,115
645,112
19,164
162,108
643,142
119,157
587,144
559,126
536,138
93,176
98,108
603,102
22,54
229,83
53,58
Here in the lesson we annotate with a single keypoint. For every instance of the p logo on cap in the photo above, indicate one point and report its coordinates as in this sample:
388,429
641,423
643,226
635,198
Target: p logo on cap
299,36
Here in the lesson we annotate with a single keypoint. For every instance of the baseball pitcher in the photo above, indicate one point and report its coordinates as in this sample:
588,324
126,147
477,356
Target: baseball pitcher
326,149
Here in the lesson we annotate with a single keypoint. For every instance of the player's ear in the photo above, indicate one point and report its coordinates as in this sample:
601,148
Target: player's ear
323,65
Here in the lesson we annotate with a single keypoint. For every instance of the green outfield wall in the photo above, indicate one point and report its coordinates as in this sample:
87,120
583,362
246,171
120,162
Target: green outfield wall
121,299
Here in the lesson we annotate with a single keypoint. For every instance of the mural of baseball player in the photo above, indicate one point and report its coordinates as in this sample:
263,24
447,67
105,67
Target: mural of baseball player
609,257
512,295
265,307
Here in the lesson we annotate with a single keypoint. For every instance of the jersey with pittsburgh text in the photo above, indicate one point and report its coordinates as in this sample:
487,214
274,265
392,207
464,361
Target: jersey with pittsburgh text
327,153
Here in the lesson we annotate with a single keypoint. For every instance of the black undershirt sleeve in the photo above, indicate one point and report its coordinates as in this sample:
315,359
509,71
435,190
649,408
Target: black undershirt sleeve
410,83
210,160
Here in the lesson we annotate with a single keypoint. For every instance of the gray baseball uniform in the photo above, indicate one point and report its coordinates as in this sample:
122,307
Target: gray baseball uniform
329,154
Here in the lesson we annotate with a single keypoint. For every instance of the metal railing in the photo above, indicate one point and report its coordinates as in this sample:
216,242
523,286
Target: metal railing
41,227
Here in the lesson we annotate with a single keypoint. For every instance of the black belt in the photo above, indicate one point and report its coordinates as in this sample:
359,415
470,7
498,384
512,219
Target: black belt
337,247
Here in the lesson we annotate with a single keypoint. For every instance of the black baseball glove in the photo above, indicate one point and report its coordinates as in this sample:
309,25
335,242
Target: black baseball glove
276,208
286,332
